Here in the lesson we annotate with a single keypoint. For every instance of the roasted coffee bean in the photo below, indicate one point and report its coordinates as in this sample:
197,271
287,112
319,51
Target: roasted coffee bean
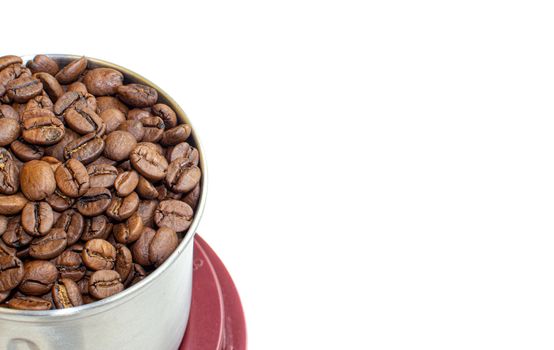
123,261
154,146
103,81
153,129
41,101
37,180
84,121
43,131
164,243
23,89
39,277
192,197
183,150
83,282
51,86
7,111
66,294
85,149
146,210
58,201
15,236
78,87
134,127
140,248
72,178
11,272
8,60
105,283
3,227
9,131
164,193
137,95
37,113
182,175
119,145
54,163
70,265
97,227
113,118
174,214
102,175
72,223
49,246
166,113
145,189
176,135
122,208
71,72
37,218
12,204
99,254
109,102
148,162
74,99
130,230
9,74
126,182
57,150
29,303
42,63
9,173
103,161
94,202
139,113
26,151
136,275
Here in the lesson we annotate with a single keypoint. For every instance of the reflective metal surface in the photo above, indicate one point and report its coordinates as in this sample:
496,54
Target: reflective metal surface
150,315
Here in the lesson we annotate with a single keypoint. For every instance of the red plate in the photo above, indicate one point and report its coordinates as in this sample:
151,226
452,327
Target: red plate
216,319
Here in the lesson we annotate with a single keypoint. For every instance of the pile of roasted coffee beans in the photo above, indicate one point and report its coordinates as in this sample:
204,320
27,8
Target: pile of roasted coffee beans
97,182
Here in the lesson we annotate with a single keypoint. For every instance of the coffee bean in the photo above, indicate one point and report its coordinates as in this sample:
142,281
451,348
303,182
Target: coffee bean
130,230
74,99
145,189
9,173
72,223
166,113
37,180
26,151
43,131
37,218
148,162
97,227
49,246
78,87
113,118
138,114
70,265
23,89
83,282
3,227
122,208
85,149
29,303
146,210
94,202
50,85
66,294
38,278
134,127
15,236
140,250
109,102
57,150
136,275
174,214
137,95
154,146
41,101
12,204
84,121
42,63
103,81
71,72
7,111
105,283
72,178
119,145
153,129
9,131
164,193
8,60
192,197
176,135
126,182
58,201
164,243
9,74
102,175
11,272
123,261
183,150
182,175
99,254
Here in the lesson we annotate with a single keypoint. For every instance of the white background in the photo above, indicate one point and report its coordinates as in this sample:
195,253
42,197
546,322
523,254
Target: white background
381,172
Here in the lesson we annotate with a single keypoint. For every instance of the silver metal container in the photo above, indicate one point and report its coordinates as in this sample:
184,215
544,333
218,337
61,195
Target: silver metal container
151,315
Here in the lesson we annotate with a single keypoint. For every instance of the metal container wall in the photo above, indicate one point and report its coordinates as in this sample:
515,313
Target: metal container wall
151,315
